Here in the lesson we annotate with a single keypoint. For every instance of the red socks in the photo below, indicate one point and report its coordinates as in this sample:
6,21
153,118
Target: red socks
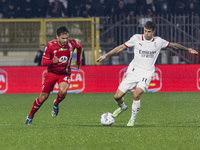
37,104
59,98
35,107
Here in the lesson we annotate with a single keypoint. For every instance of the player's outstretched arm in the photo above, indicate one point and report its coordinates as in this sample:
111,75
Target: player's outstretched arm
114,51
178,46
101,58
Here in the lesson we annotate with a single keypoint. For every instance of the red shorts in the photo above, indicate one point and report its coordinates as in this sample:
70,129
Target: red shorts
51,79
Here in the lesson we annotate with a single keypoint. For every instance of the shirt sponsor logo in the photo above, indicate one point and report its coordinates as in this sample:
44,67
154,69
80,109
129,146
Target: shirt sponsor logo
77,82
3,81
63,49
147,54
63,59
156,81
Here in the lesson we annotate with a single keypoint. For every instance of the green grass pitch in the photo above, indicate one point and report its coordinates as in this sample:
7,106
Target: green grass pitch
166,121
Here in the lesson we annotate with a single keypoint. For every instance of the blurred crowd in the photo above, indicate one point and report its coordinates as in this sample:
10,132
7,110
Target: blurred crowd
95,8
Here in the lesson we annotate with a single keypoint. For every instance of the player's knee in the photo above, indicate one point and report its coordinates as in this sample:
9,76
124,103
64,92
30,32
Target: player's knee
137,93
63,92
136,96
43,97
117,97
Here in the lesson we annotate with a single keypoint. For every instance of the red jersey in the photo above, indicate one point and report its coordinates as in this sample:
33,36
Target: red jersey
64,53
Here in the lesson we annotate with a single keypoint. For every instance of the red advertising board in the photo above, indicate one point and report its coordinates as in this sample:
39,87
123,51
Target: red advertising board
3,81
95,79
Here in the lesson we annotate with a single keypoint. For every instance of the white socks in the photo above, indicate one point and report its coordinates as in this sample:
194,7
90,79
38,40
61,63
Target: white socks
135,109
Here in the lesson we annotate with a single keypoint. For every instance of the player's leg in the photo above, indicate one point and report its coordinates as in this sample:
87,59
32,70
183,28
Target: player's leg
119,98
63,83
120,102
47,87
127,84
136,105
36,105
142,87
63,88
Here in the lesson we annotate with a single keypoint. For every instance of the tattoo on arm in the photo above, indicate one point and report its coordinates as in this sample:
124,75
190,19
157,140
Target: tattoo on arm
177,46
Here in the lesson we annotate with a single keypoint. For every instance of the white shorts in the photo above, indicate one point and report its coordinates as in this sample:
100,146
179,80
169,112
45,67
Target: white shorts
135,79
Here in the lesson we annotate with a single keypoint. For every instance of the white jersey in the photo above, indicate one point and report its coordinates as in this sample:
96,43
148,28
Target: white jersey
145,52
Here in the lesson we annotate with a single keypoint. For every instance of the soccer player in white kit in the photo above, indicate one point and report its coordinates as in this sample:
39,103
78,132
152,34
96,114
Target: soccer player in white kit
140,70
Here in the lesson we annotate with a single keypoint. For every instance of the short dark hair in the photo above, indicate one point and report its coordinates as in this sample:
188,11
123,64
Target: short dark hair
62,30
42,45
150,25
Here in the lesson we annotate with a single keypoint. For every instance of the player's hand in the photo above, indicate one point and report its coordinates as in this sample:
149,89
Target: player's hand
55,59
78,65
192,51
101,58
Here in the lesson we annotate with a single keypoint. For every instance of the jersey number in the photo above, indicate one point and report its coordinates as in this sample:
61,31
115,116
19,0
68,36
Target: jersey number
144,80
66,79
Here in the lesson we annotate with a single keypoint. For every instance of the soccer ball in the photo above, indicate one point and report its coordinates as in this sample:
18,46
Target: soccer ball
107,119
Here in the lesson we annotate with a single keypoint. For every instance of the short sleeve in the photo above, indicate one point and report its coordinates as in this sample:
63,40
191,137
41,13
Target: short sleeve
164,43
131,41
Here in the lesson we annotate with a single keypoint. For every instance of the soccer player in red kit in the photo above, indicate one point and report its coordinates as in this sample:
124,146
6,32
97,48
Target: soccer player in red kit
57,56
